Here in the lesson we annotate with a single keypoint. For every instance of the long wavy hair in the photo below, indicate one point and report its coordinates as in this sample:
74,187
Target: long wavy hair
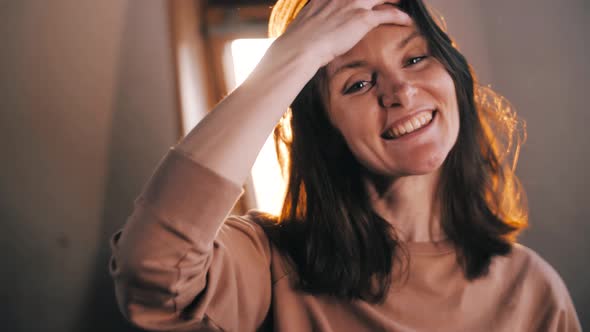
327,229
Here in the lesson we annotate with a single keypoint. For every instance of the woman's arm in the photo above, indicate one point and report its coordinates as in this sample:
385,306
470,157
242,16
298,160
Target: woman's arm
230,137
177,264
228,140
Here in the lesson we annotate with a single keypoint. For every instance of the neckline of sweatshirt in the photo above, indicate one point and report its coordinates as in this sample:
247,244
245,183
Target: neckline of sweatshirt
437,248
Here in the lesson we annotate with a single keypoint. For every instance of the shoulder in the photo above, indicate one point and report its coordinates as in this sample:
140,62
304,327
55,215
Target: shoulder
242,235
254,222
537,289
266,227
534,268
250,224
259,229
527,273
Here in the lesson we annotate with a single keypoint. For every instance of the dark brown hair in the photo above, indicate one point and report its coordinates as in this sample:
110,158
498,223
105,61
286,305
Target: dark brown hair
327,228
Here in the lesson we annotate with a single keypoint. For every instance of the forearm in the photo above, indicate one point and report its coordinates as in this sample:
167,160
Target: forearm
230,137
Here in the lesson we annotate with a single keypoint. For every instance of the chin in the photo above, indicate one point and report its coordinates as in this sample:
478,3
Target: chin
419,163
428,164
426,168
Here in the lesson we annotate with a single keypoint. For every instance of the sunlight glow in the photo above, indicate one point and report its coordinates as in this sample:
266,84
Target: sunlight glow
269,185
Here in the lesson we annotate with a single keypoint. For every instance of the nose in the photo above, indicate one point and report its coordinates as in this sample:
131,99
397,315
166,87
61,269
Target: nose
401,94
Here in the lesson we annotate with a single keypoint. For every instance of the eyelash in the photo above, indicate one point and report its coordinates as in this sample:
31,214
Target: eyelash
411,62
419,58
352,89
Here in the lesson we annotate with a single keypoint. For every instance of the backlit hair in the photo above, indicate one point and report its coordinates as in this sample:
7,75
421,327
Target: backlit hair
327,228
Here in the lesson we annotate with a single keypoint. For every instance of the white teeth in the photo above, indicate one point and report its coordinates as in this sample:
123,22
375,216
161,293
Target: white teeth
410,125
416,123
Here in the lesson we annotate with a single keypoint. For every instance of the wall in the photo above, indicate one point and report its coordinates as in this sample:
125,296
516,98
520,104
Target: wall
535,52
87,108
539,54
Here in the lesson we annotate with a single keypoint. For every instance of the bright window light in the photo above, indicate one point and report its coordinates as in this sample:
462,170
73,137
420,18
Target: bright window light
269,185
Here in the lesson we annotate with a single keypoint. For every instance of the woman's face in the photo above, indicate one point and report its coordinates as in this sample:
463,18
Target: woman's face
394,104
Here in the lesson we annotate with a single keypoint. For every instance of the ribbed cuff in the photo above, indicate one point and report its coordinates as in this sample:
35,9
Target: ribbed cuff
190,197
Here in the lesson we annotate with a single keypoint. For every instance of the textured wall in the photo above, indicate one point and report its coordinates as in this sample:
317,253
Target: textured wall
87,108
535,52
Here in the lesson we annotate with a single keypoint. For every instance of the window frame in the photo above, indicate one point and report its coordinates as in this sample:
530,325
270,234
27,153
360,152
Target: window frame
206,30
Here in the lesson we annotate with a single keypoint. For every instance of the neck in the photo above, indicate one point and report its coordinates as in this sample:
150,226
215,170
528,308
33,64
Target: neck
410,204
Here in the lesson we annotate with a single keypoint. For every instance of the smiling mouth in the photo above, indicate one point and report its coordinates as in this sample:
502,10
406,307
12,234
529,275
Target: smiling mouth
409,126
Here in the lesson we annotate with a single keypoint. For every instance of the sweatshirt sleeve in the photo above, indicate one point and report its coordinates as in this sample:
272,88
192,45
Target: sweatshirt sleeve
180,264
565,318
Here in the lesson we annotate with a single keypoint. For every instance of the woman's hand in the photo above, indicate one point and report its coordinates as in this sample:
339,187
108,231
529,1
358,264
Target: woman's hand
329,28
229,138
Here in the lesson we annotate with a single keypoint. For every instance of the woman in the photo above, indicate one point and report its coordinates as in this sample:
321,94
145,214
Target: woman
402,206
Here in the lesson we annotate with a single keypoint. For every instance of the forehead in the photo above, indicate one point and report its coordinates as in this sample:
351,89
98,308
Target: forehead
381,41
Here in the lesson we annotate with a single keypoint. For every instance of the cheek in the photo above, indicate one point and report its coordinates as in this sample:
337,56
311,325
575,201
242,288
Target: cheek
444,89
454,111
354,117
443,86
356,121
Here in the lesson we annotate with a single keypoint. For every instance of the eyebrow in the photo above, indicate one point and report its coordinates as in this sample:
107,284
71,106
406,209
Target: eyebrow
359,63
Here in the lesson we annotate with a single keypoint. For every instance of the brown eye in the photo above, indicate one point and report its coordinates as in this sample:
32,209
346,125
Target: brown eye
357,87
416,60
360,85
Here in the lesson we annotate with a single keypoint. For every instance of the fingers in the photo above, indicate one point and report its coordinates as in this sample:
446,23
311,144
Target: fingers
373,3
337,25
387,14
366,4
385,11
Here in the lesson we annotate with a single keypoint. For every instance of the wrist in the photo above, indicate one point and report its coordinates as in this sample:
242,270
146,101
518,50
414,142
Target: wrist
304,57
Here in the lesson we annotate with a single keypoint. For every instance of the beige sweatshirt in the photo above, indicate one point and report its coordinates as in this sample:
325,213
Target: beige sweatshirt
181,264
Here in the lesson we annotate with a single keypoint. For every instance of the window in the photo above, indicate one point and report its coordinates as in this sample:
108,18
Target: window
216,60
268,183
